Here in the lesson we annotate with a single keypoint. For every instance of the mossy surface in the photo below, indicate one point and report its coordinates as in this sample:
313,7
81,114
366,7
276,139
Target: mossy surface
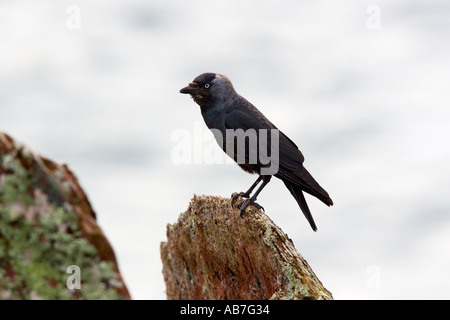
213,253
40,239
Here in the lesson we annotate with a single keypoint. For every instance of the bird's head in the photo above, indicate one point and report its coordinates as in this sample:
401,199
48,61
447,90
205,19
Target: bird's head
208,88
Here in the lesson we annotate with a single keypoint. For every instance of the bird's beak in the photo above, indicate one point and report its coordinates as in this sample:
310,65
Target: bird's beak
192,88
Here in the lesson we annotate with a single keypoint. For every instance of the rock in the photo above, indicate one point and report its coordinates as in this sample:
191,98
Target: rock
213,253
48,230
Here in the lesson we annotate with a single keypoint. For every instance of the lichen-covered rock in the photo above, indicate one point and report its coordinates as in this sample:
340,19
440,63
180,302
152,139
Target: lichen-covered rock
47,226
213,253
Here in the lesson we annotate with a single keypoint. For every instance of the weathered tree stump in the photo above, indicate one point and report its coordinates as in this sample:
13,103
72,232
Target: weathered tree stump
213,253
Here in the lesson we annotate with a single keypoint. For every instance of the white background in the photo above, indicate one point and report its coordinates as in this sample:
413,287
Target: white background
95,85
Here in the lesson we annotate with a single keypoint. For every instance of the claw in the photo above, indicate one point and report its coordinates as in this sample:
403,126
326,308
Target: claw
259,207
244,204
236,195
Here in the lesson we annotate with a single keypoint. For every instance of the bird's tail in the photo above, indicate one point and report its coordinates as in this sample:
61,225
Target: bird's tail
308,184
298,195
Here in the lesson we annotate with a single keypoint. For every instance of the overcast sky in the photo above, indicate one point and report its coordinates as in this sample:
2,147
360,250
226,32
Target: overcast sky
360,86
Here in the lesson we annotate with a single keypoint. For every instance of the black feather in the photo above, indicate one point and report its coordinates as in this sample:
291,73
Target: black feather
298,195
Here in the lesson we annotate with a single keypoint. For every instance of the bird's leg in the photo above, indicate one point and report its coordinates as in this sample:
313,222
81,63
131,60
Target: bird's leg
251,201
235,196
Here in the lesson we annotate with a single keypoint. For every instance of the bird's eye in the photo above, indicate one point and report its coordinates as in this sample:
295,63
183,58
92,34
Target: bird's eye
207,85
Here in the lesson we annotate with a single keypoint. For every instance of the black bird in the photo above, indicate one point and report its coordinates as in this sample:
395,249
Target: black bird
223,109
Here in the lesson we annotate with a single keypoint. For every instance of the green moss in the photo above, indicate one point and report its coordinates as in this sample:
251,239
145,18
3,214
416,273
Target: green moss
13,187
269,235
295,287
190,225
39,240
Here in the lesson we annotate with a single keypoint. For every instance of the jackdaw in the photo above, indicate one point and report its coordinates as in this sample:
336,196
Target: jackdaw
259,147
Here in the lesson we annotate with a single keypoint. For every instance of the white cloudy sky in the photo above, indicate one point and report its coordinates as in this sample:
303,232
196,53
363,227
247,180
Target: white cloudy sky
367,104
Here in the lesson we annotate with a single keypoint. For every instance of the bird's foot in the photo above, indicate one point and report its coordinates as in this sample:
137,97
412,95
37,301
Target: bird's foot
244,204
236,195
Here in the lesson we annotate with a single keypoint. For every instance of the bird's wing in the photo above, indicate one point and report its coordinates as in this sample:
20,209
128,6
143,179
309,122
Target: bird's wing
290,159
289,156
